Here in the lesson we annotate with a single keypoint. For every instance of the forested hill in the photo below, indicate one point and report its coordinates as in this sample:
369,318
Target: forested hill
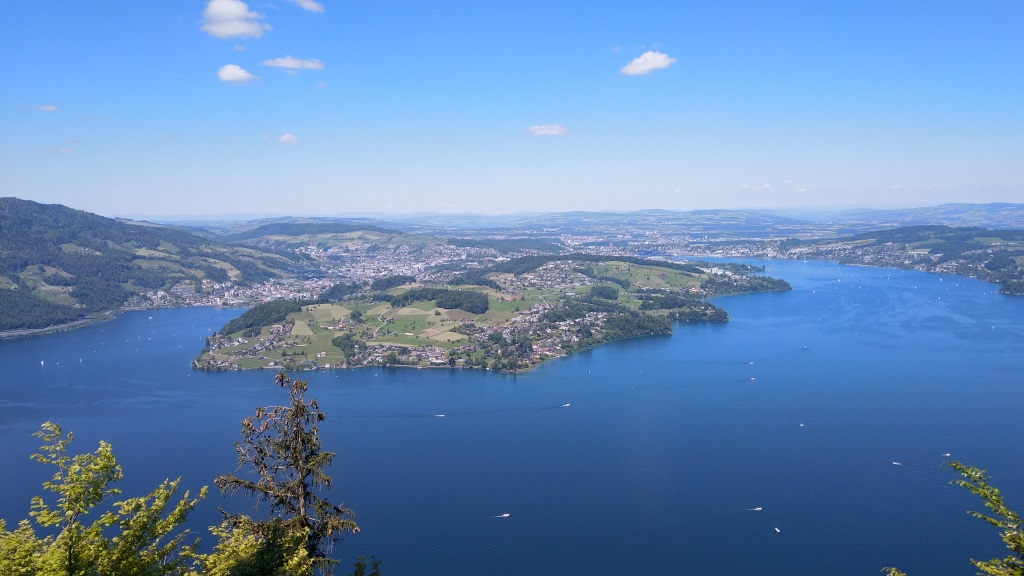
58,265
305,228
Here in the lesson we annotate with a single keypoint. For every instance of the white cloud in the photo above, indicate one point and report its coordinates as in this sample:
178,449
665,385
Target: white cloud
294,63
232,18
311,5
647,63
548,130
47,107
288,138
235,74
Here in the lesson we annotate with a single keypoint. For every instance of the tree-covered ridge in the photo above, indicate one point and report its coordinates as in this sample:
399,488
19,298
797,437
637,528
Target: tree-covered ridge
993,255
305,228
59,265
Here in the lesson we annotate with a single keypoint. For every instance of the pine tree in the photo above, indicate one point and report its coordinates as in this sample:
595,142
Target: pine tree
281,451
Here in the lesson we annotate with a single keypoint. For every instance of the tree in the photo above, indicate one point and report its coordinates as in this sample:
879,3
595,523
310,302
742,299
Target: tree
281,448
133,539
1003,518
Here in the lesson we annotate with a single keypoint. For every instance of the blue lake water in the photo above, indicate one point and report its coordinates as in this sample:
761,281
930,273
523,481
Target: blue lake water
799,406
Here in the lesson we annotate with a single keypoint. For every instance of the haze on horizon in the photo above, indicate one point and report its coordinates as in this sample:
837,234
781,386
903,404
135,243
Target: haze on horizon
306,106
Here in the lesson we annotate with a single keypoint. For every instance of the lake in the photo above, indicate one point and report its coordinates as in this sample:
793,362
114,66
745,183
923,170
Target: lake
830,408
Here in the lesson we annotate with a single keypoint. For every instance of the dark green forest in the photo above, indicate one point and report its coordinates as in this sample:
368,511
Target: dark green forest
468,300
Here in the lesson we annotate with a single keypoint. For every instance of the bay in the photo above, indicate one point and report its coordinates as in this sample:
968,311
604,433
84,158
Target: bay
831,408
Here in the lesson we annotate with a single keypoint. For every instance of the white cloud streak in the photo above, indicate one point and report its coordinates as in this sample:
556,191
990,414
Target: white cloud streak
647,63
288,138
311,5
548,130
294,63
234,74
232,19
47,107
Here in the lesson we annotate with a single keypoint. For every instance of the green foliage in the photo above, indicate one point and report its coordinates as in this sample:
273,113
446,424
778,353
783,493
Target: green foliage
140,537
635,324
98,294
575,308
135,538
361,565
699,312
249,548
348,344
1003,518
590,273
476,278
468,300
1013,287
339,291
738,284
665,301
261,315
606,292
381,284
22,310
281,450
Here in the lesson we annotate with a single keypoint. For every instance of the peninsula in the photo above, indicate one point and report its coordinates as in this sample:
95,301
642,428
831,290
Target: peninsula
508,317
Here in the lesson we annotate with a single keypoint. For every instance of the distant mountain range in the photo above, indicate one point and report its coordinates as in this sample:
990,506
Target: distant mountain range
734,223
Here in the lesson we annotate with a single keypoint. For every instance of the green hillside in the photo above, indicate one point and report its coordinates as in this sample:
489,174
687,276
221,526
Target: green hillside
59,265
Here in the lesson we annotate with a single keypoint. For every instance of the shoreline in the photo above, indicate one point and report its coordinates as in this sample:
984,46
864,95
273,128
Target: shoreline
29,332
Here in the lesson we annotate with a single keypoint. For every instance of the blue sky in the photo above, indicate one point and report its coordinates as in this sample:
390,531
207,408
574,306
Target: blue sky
333,108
